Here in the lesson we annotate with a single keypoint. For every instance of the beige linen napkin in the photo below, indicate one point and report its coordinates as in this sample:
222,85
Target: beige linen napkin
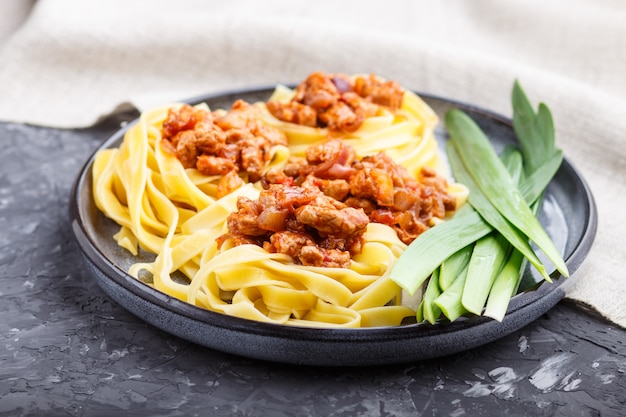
73,62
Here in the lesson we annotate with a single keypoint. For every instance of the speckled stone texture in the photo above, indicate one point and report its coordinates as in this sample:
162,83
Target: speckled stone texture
66,349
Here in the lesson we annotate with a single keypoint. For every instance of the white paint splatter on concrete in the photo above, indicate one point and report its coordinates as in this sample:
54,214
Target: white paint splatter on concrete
503,384
503,375
606,378
552,371
439,385
569,383
522,344
478,389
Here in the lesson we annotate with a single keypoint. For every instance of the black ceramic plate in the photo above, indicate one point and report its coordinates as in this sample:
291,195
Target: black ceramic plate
568,214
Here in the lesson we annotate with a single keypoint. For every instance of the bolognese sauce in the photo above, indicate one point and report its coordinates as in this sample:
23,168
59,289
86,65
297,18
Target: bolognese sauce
336,101
317,208
221,143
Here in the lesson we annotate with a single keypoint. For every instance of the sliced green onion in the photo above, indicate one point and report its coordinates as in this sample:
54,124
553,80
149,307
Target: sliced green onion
484,207
512,160
505,286
487,170
535,131
452,267
487,259
432,311
450,300
491,252
508,281
419,313
444,252
534,185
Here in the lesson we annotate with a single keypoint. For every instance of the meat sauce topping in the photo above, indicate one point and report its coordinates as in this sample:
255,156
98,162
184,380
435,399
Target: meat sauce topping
299,221
221,143
317,208
338,102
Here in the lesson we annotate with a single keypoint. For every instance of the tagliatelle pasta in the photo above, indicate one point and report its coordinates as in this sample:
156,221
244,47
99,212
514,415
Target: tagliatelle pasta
177,214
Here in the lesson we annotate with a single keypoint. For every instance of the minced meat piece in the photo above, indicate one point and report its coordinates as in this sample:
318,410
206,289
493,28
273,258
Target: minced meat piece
337,102
216,143
301,222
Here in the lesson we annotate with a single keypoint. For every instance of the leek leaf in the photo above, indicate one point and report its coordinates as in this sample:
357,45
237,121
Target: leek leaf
483,164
